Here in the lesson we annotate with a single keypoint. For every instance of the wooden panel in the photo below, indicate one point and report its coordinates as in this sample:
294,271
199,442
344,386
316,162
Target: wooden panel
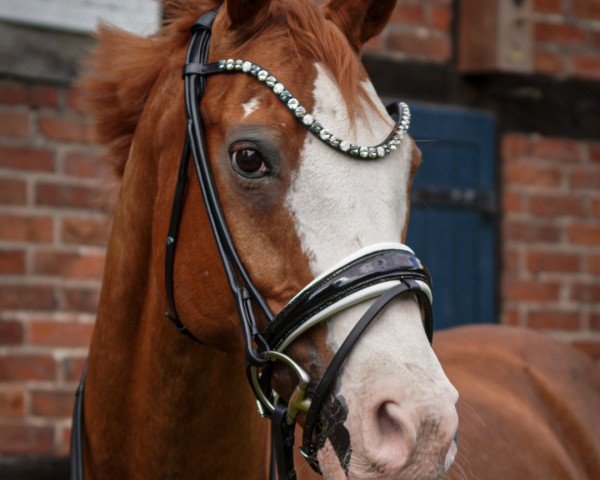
495,35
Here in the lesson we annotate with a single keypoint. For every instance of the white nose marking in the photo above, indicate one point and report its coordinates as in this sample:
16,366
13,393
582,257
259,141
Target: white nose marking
450,456
251,106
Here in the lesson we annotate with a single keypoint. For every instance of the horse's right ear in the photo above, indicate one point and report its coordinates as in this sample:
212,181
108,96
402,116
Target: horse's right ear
247,14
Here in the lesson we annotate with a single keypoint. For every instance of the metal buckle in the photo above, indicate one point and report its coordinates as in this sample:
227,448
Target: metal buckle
298,400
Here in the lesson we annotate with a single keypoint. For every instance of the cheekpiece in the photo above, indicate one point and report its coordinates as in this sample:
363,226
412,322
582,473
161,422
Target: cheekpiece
308,120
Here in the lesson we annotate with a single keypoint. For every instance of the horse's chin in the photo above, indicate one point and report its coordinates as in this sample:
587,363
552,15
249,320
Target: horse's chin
422,469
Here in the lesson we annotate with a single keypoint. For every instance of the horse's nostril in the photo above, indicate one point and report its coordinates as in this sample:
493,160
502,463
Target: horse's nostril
388,424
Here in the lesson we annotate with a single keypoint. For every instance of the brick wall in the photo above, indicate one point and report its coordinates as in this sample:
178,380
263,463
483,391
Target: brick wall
550,237
566,35
52,237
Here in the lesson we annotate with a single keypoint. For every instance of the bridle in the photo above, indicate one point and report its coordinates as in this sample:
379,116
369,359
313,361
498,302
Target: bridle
383,271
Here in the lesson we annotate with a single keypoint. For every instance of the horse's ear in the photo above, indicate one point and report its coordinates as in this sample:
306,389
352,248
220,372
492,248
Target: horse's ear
247,14
360,20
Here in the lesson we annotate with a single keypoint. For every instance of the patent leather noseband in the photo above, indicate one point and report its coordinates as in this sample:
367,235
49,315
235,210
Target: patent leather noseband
380,273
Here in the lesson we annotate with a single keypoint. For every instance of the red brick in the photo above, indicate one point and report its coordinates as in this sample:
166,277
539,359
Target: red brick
561,34
408,14
513,202
556,205
26,440
594,149
72,368
74,196
14,124
85,230
590,347
585,178
61,129
556,149
13,191
584,234
67,264
60,334
511,261
542,261
586,65
440,18
586,9
11,93
548,6
423,46
12,262
549,62
63,448
586,292
26,158
514,145
595,208
27,229
52,404
511,317
532,175
531,291
12,402
21,368
595,321
594,264
27,297
11,332
42,96
74,99
86,164
554,319
526,231
81,299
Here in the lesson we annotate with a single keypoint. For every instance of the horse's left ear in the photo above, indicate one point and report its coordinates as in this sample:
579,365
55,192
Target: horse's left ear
360,20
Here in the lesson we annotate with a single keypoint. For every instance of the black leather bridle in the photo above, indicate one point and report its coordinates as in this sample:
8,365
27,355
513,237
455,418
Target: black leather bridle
384,272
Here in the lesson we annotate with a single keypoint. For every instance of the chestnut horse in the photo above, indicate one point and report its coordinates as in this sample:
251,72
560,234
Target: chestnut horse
158,405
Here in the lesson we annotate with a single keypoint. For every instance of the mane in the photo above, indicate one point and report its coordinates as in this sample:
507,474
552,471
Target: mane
123,68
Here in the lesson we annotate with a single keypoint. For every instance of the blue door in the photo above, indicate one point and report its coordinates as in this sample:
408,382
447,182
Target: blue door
454,212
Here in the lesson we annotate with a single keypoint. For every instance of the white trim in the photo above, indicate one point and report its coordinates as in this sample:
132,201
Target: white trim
137,16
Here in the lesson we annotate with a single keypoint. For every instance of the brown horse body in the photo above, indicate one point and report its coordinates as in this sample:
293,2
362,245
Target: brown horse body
159,406
529,406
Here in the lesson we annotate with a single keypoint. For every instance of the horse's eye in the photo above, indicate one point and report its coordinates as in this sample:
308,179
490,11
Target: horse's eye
249,163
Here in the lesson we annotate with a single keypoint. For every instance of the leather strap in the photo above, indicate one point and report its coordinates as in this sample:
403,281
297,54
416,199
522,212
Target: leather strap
77,431
282,436
309,449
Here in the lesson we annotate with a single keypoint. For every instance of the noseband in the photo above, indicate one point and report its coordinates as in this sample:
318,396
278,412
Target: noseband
382,272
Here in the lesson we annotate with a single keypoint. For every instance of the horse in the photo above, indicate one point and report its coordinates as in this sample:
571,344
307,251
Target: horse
157,404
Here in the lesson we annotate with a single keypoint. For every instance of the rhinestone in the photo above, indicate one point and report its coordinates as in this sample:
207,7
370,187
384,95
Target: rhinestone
354,149
285,95
380,151
271,80
344,146
246,66
238,64
372,152
324,134
278,88
393,147
316,127
334,141
222,64
262,75
308,119
364,152
293,104
254,69
230,64
300,111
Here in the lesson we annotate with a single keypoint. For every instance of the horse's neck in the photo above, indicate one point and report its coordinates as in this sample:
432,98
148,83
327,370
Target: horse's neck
157,405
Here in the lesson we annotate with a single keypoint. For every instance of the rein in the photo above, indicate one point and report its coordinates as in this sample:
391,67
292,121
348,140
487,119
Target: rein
382,272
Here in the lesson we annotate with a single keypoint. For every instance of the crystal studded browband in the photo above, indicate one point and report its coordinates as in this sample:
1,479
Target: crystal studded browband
305,118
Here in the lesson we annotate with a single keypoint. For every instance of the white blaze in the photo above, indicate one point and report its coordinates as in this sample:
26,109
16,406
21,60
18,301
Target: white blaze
250,106
340,205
